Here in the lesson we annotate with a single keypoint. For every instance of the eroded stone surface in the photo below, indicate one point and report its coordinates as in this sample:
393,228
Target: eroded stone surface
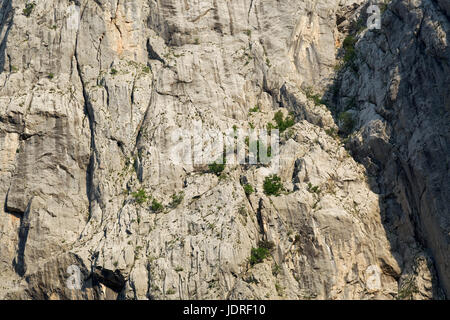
91,91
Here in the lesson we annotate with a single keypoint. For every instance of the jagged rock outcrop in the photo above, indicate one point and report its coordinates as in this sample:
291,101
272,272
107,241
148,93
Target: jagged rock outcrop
93,92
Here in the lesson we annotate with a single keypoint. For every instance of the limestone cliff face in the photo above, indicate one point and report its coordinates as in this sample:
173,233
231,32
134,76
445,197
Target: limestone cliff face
91,91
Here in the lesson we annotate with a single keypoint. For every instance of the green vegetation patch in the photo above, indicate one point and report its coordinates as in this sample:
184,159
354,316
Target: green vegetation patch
156,206
283,123
28,9
140,196
248,189
272,185
176,200
217,168
259,254
346,122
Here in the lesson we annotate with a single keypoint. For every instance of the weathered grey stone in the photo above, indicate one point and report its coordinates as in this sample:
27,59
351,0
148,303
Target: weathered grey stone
90,92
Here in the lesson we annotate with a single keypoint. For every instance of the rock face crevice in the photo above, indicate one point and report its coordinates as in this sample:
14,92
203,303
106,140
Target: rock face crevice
19,263
93,93
6,22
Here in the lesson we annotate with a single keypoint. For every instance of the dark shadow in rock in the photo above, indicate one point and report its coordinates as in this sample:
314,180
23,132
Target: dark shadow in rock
6,21
152,55
402,77
19,261
111,279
